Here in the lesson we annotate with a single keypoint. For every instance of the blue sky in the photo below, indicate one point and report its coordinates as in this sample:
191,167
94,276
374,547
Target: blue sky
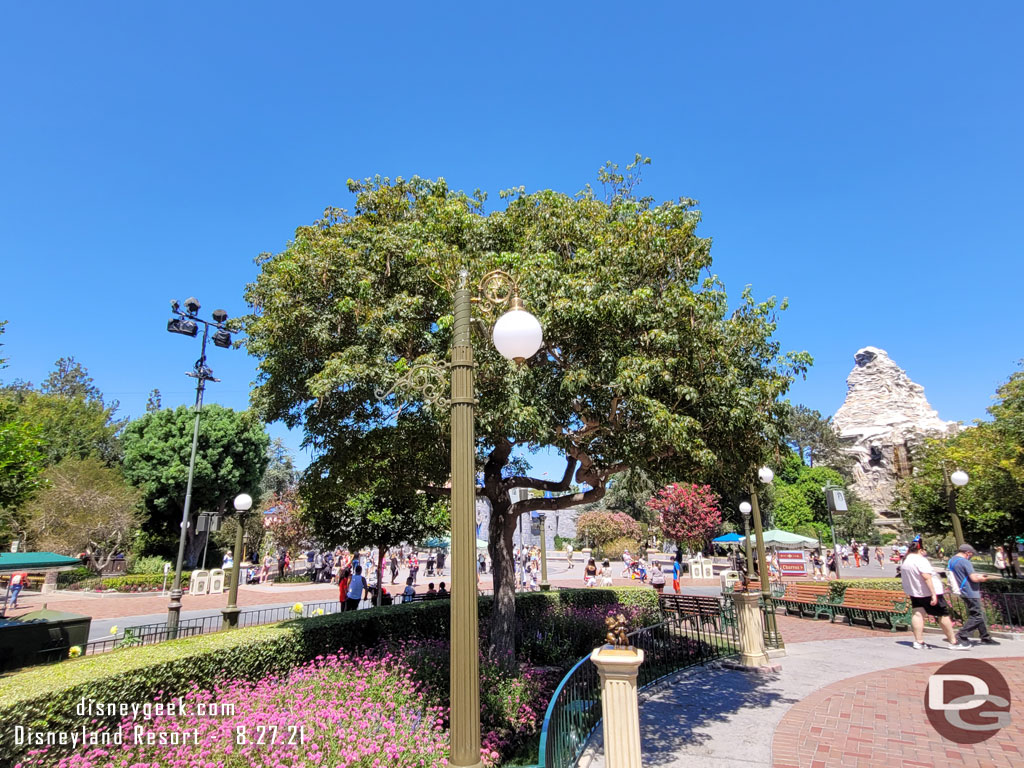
863,160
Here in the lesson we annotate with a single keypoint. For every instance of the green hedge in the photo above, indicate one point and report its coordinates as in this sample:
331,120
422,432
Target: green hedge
45,697
134,582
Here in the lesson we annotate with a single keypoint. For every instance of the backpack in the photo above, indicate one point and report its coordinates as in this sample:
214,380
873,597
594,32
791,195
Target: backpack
955,587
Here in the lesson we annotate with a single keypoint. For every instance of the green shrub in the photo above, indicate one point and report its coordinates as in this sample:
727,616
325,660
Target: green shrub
44,697
75,576
152,564
561,541
613,549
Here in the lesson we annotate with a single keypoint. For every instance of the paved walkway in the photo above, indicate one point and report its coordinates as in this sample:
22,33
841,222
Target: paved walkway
846,697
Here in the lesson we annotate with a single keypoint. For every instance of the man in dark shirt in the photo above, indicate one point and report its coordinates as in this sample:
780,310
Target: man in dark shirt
962,575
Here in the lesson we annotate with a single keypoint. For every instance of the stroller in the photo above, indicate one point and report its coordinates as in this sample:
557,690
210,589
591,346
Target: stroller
638,570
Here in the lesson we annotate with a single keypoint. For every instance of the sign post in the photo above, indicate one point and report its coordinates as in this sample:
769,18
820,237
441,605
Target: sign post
835,499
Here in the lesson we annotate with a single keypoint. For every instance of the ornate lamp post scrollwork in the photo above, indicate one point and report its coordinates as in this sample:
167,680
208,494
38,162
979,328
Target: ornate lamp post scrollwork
428,379
517,336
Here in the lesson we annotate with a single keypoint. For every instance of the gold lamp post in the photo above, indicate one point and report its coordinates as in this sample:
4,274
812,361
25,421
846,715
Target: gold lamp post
517,335
959,480
765,475
243,503
745,511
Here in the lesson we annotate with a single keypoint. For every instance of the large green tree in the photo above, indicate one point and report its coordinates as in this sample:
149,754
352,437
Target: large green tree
87,507
814,438
69,411
796,502
231,458
991,505
22,462
646,362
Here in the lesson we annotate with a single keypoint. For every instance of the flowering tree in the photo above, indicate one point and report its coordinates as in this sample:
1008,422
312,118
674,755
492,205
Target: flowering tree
602,527
284,524
687,512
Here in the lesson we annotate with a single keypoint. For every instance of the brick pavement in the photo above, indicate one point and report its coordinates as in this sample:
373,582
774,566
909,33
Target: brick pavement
803,630
878,720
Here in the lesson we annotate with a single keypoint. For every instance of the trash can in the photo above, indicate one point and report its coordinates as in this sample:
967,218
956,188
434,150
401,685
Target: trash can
199,583
728,579
42,636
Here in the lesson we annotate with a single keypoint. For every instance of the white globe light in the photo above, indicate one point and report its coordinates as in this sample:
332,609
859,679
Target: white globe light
766,475
959,478
518,335
745,507
243,502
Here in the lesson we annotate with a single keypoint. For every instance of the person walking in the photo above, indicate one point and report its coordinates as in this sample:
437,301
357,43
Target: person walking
357,590
961,572
16,584
924,588
568,555
590,574
414,566
999,561
830,560
676,571
658,579
879,556
394,567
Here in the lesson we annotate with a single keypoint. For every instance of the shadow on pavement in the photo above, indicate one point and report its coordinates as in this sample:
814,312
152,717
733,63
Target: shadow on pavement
693,710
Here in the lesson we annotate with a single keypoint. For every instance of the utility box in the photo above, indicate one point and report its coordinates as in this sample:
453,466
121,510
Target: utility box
40,637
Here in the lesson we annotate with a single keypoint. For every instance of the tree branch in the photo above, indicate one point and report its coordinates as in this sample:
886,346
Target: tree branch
522,481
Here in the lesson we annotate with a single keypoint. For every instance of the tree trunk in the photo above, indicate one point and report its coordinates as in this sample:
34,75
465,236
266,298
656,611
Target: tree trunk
503,615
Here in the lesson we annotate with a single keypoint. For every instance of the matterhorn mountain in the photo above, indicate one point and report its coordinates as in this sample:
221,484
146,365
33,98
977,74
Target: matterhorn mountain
884,416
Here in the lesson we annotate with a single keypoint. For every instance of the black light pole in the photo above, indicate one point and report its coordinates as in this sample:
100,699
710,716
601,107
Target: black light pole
186,323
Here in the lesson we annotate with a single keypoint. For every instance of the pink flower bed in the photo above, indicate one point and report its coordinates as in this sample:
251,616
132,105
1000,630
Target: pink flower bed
373,710
338,712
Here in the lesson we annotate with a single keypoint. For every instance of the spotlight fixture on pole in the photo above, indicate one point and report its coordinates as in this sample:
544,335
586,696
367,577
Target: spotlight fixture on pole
187,323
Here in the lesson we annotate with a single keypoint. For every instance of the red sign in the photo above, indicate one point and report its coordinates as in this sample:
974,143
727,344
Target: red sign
792,563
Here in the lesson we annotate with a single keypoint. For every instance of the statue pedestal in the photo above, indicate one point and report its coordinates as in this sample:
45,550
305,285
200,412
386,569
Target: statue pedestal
621,712
751,630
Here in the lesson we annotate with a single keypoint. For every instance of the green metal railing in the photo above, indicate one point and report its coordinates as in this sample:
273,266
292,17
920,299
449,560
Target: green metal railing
681,641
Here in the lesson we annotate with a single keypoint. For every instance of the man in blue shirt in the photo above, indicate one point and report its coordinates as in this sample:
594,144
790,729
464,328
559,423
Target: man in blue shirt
961,573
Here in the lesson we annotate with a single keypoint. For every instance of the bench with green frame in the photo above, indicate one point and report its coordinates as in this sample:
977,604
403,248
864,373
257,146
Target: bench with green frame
874,606
808,600
703,608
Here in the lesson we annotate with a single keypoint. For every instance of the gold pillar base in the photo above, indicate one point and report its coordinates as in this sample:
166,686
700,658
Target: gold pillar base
751,630
621,711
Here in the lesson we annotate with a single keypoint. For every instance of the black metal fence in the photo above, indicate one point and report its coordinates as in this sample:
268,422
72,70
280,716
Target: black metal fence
149,634
1004,611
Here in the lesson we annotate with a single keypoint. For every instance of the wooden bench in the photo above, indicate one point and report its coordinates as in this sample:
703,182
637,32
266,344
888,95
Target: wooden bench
704,609
808,599
875,605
